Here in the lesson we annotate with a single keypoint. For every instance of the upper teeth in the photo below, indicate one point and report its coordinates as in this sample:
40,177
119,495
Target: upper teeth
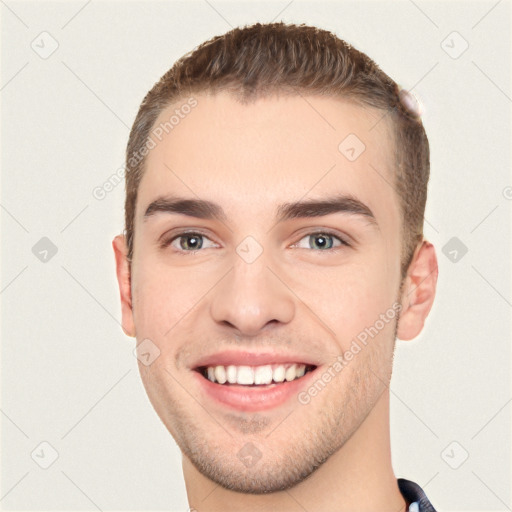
248,375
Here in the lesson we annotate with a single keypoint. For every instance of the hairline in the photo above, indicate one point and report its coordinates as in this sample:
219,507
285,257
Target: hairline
250,97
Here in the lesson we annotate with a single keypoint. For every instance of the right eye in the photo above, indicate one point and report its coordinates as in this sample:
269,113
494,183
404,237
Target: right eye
187,241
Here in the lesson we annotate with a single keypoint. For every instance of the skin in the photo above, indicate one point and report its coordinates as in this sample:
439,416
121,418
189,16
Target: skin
334,452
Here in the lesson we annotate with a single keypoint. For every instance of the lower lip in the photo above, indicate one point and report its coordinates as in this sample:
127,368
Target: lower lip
254,398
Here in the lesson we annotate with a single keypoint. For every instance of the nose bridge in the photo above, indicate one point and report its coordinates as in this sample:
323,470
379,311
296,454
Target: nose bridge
251,296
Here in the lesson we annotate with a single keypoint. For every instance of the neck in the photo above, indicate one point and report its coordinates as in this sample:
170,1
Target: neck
358,477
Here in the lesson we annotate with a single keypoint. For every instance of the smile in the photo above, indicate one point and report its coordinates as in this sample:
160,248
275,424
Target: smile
255,375
247,388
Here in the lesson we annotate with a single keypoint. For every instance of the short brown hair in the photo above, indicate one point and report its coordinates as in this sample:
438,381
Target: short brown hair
261,59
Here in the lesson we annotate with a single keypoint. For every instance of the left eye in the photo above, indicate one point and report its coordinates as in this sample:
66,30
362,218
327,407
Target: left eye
323,241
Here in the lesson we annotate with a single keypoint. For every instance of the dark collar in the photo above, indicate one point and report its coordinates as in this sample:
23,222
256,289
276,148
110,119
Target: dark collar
413,493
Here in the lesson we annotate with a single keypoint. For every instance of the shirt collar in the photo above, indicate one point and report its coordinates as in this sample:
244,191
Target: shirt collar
414,494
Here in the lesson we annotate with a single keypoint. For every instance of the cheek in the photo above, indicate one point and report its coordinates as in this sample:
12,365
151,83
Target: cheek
156,303
349,299
165,297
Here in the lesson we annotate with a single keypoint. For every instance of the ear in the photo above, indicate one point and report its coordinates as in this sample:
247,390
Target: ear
124,281
418,292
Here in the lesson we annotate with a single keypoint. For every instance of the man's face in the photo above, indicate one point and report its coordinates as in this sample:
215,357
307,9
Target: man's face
254,283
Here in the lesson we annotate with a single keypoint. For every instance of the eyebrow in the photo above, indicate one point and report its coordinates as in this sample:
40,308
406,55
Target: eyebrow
203,209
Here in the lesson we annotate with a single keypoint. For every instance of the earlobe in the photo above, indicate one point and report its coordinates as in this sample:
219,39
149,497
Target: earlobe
124,282
418,291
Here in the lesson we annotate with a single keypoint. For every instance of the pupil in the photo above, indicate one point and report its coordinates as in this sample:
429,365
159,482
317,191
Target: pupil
195,241
322,238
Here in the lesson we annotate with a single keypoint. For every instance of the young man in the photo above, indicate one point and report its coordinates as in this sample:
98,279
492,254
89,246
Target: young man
273,251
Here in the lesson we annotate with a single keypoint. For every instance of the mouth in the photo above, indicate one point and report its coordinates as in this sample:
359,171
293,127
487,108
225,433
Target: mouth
255,376
259,384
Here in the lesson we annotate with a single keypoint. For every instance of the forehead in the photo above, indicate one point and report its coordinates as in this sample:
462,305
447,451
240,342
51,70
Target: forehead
251,157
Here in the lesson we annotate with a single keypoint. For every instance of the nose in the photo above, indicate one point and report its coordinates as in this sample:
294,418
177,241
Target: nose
252,297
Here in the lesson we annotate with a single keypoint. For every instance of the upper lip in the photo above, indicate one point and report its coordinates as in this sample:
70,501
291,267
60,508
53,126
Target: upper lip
246,358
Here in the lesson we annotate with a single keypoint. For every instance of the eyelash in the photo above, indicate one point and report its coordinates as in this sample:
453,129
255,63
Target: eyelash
167,242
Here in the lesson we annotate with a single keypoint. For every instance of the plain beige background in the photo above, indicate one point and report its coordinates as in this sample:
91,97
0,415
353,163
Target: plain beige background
73,76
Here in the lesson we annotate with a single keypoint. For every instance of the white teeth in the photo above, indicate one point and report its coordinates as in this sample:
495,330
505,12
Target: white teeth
257,375
278,374
231,374
263,375
290,373
245,375
220,374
